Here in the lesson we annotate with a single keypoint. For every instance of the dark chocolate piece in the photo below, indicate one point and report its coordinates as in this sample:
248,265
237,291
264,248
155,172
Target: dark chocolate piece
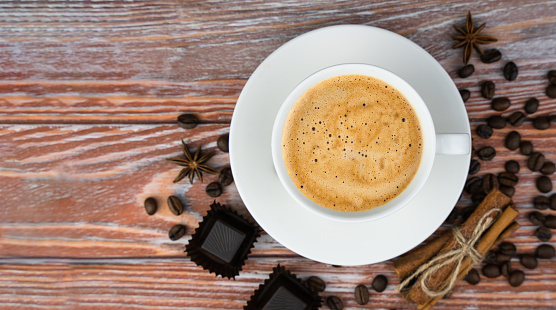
222,241
283,290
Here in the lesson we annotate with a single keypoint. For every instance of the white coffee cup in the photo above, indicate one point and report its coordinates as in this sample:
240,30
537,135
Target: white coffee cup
432,143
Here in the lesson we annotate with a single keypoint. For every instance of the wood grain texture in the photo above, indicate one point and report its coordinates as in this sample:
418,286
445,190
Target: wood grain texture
89,95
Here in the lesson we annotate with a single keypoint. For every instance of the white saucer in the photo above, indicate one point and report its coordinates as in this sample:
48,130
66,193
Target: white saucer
300,230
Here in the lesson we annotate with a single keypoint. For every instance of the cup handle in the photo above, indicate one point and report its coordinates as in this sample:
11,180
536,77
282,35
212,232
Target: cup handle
453,144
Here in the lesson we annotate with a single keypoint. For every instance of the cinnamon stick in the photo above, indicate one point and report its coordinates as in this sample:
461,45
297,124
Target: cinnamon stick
406,264
495,199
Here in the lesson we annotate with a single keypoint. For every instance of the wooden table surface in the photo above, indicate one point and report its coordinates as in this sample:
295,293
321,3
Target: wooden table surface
89,95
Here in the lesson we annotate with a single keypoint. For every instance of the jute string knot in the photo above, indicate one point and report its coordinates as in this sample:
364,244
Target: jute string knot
466,249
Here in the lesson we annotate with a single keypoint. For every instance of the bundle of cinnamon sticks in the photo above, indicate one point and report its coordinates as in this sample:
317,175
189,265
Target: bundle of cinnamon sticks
497,211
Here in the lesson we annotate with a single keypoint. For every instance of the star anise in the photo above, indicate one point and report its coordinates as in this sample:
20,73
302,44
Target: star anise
470,38
193,164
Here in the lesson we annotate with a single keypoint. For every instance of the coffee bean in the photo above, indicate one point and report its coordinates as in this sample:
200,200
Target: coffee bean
490,257
487,153
526,147
502,258
187,121
544,184
226,178
507,248
528,261
487,89
550,221
508,179
473,185
176,232
510,71
477,198
334,303
551,91
380,283
552,202
544,234
491,55
361,294
473,277
536,161
506,269
466,71
541,202
490,181
484,131
150,206
496,121
474,167
531,105
175,205
512,166
516,278
316,284
465,94
537,218
548,168
491,270
507,190
516,119
551,76
222,143
214,189
545,251
541,122
513,139
500,103
452,216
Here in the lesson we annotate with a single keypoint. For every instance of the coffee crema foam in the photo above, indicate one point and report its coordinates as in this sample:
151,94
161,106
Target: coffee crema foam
352,143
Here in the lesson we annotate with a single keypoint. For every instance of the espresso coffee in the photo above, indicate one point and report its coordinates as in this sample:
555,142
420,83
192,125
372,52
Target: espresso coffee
352,143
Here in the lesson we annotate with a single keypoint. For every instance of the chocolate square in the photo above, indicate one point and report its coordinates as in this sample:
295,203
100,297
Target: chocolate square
282,290
222,241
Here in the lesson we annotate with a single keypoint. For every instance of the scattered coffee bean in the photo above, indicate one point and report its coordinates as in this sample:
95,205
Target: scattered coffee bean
506,269
552,202
551,76
544,184
490,257
491,55
516,278
496,121
490,181
541,202
541,122
551,91
474,167
361,294
453,215
465,94
484,131
536,161
491,271
487,89
548,168
187,121
487,153
550,221
222,143
334,303
528,261
531,105
526,147
544,234
513,139
473,277
508,179
316,284
507,248
214,189
502,258
477,198
512,166
516,119
226,178
537,218
176,232
466,71
150,206
175,205
545,251
500,103
507,190
510,71
380,283
473,185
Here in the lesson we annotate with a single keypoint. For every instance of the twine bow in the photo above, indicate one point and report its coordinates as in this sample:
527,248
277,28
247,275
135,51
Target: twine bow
466,249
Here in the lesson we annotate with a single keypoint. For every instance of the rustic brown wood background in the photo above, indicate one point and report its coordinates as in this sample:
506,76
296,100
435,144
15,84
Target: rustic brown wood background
89,95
